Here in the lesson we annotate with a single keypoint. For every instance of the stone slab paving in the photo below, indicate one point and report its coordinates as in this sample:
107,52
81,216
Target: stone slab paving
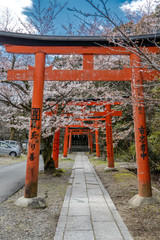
88,212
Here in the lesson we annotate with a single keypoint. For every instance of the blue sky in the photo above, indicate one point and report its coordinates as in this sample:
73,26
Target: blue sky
18,6
113,5
68,16
83,5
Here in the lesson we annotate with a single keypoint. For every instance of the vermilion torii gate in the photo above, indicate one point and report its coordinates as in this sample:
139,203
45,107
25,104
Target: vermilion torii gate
108,113
106,116
79,132
88,47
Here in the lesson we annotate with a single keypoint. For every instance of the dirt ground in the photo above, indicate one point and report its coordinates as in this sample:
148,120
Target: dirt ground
40,224
7,160
37,224
142,222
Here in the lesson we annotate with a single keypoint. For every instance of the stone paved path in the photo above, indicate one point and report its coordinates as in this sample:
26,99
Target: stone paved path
88,212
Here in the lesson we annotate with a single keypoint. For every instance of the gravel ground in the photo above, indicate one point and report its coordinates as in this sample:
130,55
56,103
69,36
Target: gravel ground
36,224
142,222
7,160
40,224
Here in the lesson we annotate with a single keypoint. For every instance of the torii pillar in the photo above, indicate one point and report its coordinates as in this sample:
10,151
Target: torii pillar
65,148
109,138
32,169
55,153
97,143
91,143
143,169
70,140
31,182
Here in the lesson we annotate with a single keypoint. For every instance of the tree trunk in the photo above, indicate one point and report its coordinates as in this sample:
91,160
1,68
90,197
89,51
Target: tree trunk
13,130
49,166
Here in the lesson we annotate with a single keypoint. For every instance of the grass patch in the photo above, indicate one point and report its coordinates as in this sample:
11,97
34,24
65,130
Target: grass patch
66,159
7,160
123,175
23,157
96,161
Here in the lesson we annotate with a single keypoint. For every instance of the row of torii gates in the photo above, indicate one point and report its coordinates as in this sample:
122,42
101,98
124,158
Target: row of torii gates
40,46
81,129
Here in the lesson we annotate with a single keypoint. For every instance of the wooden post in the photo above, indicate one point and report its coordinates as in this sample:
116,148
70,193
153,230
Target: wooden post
65,148
70,140
91,143
97,143
32,170
55,153
109,138
143,169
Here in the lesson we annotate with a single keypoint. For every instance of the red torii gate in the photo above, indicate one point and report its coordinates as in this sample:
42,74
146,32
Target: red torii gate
55,152
78,132
90,143
86,46
82,132
109,139
82,125
107,115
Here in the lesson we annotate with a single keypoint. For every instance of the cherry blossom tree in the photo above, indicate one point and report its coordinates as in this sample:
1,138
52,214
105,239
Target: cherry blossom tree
116,30
16,96
145,21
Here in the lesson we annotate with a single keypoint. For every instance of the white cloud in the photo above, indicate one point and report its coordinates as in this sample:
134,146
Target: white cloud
143,6
16,6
